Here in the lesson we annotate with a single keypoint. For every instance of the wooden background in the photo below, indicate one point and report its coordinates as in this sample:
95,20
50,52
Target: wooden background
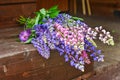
101,7
10,10
105,7
62,4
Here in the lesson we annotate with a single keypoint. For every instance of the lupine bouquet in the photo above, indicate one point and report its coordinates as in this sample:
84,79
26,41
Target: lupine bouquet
70,36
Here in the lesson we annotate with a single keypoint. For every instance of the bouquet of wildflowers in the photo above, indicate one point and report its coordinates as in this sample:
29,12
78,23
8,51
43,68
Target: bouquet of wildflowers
70,36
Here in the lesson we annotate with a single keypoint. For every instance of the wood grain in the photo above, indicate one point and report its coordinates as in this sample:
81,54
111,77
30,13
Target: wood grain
62,4
34,67
105,8
10,10
4,2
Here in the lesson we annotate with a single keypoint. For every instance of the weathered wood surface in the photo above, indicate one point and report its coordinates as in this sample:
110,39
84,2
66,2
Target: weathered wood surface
101,7
22,62
63,5
105,8
4,2
10,10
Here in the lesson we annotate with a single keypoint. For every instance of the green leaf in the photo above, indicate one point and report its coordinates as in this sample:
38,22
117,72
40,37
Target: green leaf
33,34
28,41
92,41
53,8
22,20
40,15
77,18
33,31
43,11
37,19
54,14
30,23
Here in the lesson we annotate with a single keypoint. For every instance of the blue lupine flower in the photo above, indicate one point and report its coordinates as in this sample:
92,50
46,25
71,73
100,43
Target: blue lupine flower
92,54
99,51
76,56
72,63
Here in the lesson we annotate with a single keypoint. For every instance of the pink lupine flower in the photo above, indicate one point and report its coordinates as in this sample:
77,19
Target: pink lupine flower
84,55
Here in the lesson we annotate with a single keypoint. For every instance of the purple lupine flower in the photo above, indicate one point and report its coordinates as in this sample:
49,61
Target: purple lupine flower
42,47
24,35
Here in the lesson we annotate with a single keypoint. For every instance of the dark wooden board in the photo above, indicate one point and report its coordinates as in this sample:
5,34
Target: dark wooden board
32,66
62,4
10,10
5,2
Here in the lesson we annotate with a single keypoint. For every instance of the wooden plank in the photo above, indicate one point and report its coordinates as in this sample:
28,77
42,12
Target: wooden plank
56,73
55,60
2,74
16,10
18,67
37,67
102,10
105,7
4,2
10,13
62,4
104,2
71,7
